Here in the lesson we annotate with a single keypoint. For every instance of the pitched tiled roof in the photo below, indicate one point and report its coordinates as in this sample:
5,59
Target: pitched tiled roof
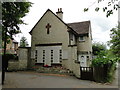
80,27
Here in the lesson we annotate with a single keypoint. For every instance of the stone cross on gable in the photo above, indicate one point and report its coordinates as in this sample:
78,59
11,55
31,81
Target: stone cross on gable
48,26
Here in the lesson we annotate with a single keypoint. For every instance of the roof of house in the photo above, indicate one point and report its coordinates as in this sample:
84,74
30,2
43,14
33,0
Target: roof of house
77,28
80,27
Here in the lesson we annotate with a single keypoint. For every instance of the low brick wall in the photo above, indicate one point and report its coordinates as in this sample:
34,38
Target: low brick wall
22,64
17,65
13,65
23,59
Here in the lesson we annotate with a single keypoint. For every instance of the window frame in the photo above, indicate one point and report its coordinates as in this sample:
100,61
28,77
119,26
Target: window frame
71,36
83,38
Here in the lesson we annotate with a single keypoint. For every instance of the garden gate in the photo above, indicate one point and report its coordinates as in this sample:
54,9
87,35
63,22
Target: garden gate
86,73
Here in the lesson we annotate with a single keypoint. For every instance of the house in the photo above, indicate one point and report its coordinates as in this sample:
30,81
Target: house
54,42
11,47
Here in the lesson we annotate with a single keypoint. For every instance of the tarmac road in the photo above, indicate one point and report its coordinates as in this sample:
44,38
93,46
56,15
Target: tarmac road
41,80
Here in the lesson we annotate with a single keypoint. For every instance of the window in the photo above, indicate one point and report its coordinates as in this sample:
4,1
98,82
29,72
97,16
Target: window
81,38
13,45
43,51
71,36
51,61
51,55
82,56
60,54
87,57
43,55
35,55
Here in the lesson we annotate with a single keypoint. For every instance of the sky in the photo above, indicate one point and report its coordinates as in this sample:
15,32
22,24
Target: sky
72,12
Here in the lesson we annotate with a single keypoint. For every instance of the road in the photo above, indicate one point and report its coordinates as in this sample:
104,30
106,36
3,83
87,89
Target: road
41,80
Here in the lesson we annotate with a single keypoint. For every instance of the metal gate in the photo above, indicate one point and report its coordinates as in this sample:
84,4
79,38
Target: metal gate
86,73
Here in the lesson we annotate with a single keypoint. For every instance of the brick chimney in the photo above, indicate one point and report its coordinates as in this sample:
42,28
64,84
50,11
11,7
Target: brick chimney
60,13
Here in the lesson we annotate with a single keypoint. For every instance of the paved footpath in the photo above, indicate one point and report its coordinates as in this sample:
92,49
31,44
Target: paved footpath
42,80
0,76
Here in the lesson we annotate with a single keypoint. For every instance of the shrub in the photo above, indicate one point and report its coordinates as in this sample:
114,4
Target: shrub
10,57
104,67
103,59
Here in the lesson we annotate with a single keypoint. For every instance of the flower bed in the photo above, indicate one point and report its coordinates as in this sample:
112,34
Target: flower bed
53,69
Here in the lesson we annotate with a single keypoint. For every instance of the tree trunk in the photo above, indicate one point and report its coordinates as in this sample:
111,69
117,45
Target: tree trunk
4,55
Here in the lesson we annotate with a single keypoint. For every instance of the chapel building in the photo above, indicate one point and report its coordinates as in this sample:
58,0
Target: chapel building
55,42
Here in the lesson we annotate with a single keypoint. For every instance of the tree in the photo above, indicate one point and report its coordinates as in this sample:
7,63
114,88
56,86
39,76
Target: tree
108,9
0,25
12,14
98,47
115,40
23,42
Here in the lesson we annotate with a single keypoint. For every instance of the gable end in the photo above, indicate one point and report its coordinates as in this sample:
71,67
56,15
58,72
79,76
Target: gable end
43,16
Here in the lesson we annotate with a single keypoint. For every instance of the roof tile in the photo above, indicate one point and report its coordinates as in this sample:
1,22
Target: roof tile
80,27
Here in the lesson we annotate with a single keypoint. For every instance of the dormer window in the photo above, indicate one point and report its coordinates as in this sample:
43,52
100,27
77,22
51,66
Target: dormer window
81,38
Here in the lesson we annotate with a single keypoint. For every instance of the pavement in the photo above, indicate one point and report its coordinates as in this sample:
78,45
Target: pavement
25,79
0,77
118,76
0,80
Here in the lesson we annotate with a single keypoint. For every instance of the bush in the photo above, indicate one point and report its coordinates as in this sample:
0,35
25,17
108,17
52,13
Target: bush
10,57
103,59
104,67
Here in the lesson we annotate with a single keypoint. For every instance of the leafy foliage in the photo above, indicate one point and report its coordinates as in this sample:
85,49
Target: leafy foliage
0,36
105,57
97,9
0,25
115,41
85,9
11,57
12,12
100,60
104,66
23,42
111,3
98,47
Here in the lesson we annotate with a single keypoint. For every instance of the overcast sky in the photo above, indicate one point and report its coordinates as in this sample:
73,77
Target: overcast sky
72,12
